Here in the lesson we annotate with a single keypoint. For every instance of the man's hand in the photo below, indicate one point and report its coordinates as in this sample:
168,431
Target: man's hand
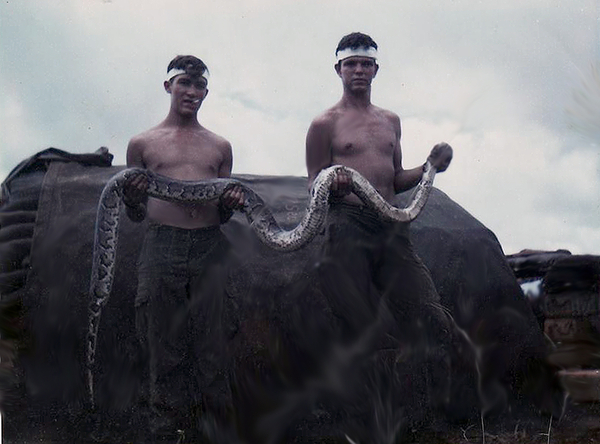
341,185
233,198
440,156
135,189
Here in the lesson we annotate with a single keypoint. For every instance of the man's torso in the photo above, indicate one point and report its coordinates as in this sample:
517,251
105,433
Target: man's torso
366,141
183,154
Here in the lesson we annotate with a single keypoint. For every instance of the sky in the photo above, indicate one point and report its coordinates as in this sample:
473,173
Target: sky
513,86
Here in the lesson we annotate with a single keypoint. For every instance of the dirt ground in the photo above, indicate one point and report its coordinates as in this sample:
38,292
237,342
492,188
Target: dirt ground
580,424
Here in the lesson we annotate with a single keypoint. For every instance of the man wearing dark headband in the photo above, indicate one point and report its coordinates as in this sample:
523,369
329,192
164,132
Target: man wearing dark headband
178,310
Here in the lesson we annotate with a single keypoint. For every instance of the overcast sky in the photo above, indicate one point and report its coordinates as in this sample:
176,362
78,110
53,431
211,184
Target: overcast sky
513,86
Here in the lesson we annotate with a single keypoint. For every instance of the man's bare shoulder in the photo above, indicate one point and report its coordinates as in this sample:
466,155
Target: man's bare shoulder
138,147
217,140
326,119
142,139
387,114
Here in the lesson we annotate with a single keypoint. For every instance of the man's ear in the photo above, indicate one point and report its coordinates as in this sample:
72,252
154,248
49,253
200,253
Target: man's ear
376,69
206,93
167,86
338,68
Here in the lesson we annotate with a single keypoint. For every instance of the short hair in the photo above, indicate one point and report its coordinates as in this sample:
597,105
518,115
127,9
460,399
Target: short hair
190,64
355,40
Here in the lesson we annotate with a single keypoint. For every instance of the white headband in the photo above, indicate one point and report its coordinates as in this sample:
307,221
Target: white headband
178,71
356,52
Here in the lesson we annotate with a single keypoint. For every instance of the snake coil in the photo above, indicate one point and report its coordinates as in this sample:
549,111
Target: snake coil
258,214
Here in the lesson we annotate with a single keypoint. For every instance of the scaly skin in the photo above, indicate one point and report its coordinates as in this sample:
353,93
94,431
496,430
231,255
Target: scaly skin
257,213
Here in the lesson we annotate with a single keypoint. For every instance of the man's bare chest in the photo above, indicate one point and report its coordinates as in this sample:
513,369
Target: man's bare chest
184,159
356,137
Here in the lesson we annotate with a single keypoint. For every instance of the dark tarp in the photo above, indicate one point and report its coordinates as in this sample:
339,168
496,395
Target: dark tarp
466,261
578,272
528,264
18,214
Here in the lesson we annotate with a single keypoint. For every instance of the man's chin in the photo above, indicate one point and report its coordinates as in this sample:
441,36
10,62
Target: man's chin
360,86
188,112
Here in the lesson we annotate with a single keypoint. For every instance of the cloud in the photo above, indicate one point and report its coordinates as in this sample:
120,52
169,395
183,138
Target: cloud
495,79
281,137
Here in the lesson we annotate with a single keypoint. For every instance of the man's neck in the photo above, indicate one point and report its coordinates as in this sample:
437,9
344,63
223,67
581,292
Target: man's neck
356,100
182,121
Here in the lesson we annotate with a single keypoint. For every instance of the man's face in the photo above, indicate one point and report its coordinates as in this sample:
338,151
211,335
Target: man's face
187,92
357,72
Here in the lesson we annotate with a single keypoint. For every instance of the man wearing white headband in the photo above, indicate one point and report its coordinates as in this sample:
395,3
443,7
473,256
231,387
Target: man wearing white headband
368,52
182,263
368,263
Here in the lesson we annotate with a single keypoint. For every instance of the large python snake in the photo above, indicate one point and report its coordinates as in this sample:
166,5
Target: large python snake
258,214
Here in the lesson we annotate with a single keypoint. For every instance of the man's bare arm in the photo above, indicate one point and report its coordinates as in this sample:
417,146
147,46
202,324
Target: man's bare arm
134,190
406,179
403,179
233,198
440,158
227,163
318,156
318,148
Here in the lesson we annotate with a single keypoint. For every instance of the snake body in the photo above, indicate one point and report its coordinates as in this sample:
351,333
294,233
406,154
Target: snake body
258,214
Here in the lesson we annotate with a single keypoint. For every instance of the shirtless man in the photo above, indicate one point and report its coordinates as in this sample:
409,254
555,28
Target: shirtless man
176,306
360,135
366,263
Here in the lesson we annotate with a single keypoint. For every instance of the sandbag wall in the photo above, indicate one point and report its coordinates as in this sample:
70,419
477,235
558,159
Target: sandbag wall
530,267
567,305
572,310
18,210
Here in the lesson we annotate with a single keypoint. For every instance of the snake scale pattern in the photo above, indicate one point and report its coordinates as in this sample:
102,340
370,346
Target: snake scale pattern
258,214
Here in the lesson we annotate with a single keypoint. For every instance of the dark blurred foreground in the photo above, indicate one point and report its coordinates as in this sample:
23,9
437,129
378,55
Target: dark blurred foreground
291,376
